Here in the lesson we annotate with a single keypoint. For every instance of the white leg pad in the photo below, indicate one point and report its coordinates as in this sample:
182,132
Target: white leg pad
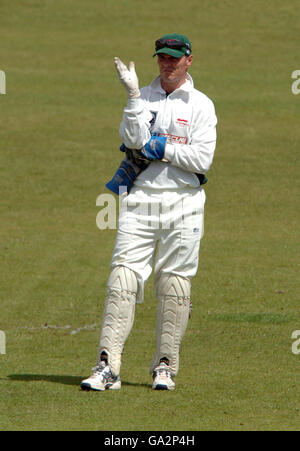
118,315
173,312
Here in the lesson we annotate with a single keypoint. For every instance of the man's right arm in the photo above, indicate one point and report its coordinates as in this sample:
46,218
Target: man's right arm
134,129
135,126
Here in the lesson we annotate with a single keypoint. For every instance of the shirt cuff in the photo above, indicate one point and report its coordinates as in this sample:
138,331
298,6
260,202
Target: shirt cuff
169,152
135,104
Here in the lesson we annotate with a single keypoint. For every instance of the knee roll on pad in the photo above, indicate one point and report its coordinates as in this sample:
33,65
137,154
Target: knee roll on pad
123,278
118,315
173,312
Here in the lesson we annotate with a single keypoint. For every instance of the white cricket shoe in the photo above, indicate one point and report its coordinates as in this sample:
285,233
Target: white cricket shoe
162,378
101,379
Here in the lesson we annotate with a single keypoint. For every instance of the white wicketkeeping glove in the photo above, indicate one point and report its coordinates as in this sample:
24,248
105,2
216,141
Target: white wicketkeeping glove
128,78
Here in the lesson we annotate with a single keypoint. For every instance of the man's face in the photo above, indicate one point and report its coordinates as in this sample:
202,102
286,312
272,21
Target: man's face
173,70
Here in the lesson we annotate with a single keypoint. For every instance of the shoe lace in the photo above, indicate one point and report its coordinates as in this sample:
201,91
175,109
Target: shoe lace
103,370
163,370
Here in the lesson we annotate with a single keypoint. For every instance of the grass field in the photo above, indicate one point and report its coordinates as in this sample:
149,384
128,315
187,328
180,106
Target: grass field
59,146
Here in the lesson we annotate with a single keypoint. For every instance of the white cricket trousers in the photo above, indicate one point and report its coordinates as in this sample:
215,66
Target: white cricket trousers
161,231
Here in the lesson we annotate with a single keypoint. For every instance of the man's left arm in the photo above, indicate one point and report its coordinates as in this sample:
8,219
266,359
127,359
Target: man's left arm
196,156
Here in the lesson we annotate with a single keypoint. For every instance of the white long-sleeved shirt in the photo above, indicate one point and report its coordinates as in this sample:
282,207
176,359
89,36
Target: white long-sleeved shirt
187,118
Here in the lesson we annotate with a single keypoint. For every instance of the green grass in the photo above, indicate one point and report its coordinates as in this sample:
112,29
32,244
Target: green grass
58,147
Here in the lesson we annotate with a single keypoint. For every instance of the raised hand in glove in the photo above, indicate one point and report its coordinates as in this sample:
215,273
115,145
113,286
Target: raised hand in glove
128,78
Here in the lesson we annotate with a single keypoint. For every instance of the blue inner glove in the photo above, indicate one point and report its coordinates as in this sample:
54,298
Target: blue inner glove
124,177
154,149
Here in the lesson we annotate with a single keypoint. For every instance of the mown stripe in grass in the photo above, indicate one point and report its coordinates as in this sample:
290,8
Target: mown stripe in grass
262,318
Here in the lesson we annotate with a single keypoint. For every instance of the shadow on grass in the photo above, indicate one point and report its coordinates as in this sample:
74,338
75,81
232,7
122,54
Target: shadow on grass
65,380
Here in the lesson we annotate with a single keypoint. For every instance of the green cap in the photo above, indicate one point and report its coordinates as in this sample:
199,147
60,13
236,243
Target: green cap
174,44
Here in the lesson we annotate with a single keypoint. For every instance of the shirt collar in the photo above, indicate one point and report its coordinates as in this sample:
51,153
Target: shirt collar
188,86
